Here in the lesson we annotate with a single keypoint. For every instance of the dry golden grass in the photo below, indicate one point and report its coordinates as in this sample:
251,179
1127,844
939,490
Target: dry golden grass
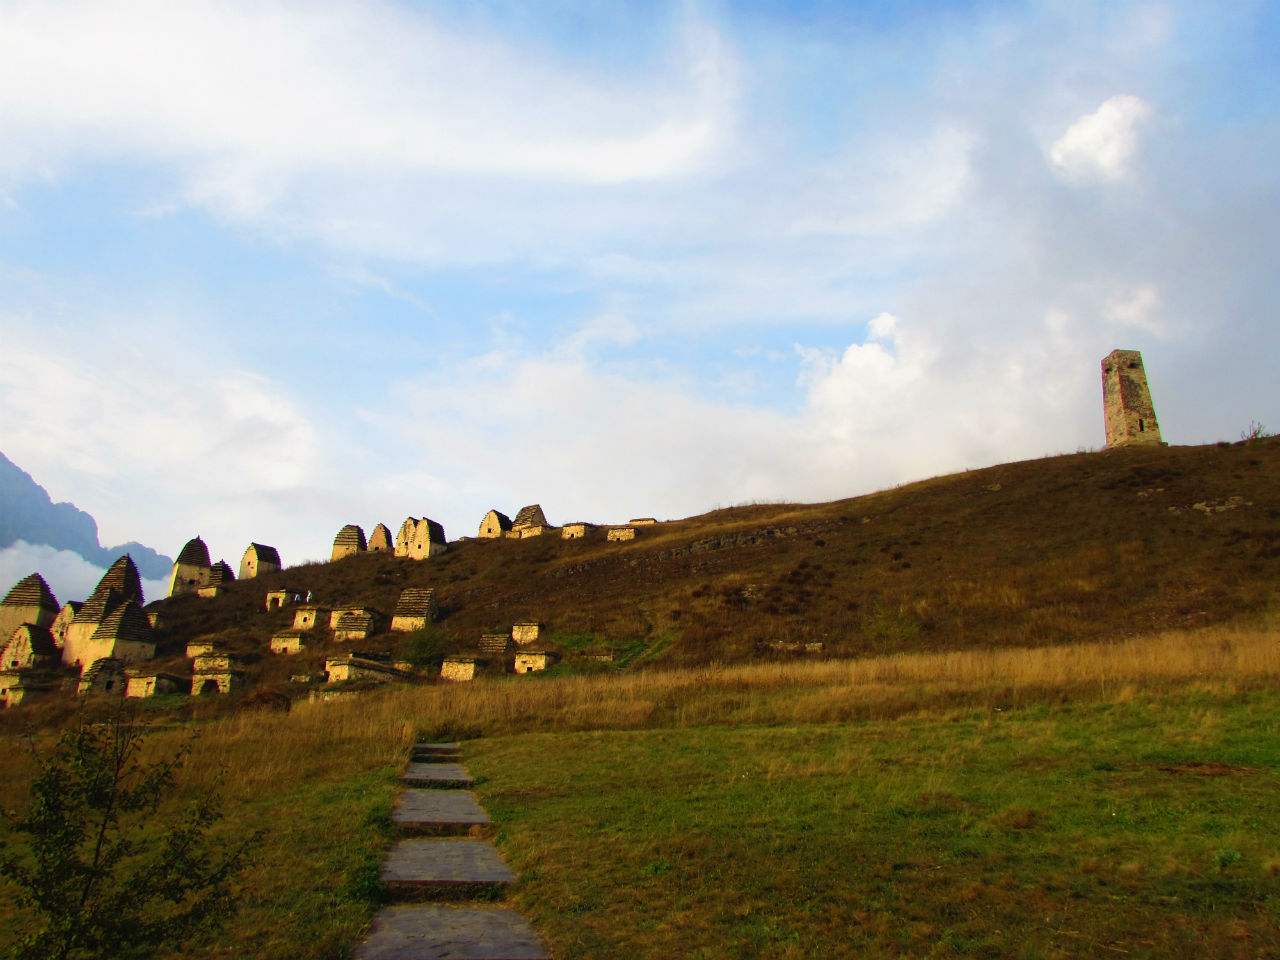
795,692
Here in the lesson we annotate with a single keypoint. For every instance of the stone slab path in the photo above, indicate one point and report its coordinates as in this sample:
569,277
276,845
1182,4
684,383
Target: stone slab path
422,867
418,869
435,752
450,933
439,811
437,775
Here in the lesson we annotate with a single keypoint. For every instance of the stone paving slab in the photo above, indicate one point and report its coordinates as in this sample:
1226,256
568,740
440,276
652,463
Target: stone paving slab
450,933
438,809
435,752
437,775
435,757
421,866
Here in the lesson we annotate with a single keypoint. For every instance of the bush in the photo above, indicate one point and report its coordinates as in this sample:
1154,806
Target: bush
1255,431
426,647
97,876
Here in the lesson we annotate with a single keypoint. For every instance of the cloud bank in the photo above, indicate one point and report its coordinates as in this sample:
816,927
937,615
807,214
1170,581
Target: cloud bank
69,575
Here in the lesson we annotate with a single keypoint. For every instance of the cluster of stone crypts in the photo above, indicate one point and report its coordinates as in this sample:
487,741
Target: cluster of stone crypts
213,671
40,636
415,609
418,539
351,623
497,648
193,573
106,636
530,521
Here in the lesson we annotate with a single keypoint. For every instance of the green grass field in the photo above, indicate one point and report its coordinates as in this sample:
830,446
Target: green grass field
1100,800
1149,828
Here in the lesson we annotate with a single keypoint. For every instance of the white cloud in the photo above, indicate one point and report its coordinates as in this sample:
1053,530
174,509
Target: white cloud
611,442
1102,144
247,96
1136,307
883,326
157,436
69,575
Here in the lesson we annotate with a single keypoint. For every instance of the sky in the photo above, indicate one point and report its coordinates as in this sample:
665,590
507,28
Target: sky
271,267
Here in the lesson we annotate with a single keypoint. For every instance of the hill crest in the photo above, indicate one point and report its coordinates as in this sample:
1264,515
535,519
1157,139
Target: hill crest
1076,547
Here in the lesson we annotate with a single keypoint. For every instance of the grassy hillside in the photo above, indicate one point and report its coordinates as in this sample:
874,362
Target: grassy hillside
1042,725
1058,550
1071,801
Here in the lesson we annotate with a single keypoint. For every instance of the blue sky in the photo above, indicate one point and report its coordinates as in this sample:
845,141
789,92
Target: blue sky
269,268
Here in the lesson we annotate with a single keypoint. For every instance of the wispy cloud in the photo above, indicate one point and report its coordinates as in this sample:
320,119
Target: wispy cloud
247,97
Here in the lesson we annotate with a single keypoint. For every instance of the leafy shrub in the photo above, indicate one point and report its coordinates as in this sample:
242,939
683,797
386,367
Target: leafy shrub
96,873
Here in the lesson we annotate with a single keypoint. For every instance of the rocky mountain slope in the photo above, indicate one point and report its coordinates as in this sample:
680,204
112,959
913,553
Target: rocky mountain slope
28,513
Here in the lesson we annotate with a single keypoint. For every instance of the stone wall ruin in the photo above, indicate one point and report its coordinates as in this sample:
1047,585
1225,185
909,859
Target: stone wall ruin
308,617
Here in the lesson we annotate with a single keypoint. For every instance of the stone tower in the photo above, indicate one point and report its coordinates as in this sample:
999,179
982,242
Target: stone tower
1126,400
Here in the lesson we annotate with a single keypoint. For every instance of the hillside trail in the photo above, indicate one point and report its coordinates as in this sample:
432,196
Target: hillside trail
444,876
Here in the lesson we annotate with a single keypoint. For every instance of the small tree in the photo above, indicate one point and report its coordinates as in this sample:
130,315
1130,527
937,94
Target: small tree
99,877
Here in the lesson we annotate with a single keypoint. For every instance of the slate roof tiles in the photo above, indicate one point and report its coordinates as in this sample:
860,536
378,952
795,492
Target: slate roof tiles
31,591
415,602
194,553
125,623
266,554
530,516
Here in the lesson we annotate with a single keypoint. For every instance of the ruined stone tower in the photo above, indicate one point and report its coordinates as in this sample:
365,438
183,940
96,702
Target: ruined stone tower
1126,400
